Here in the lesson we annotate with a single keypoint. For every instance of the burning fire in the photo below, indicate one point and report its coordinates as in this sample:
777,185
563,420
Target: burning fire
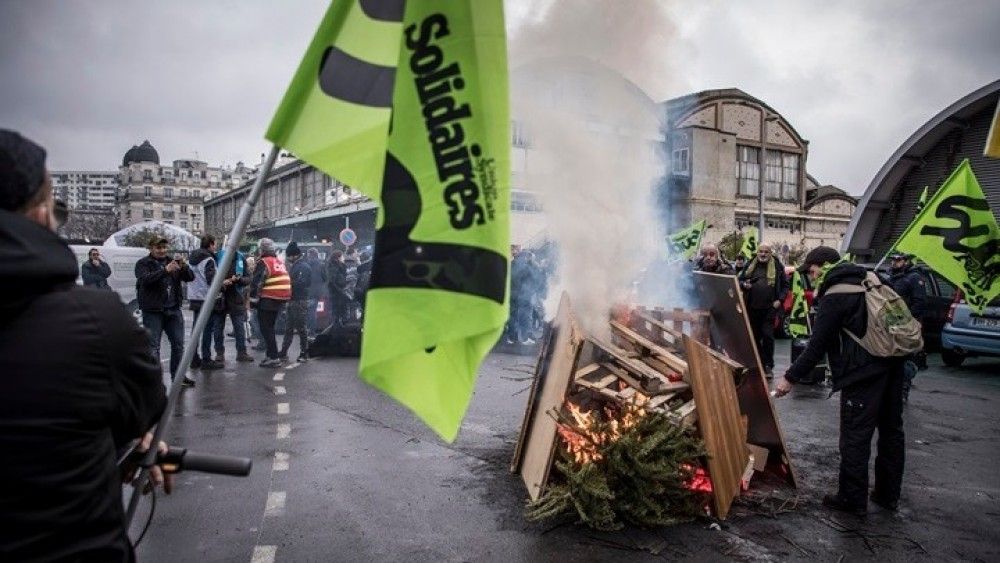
700,481
584,438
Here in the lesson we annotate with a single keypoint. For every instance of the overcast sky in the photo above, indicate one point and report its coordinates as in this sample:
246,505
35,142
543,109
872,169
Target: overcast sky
88,79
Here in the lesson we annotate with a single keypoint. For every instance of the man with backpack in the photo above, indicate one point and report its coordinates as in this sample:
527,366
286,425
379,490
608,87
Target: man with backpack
865,330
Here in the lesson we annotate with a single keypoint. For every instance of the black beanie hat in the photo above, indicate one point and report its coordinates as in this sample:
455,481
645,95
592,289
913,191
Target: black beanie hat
293,249
22,170
819,256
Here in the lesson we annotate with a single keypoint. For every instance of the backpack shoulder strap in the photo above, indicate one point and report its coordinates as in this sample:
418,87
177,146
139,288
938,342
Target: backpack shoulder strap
845,288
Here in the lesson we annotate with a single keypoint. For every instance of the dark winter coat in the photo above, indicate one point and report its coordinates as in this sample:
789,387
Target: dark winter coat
720,267
336,277
152,280
63,415
849,362
760,295
301,275
909,284
317,288
236,294
95,276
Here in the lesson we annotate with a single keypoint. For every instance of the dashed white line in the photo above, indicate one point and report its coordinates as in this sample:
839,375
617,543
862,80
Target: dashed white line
282,408
280,461
264,554
283,431
275,503
280,376
292,366
279,390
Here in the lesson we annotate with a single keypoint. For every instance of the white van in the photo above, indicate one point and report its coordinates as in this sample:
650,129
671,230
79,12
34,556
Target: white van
122,260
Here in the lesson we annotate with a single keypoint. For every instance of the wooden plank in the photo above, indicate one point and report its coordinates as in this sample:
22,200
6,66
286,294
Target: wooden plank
638,367
719,421
555,375
543,352
730,329
649,325
666,356
586,370
687,413
660,400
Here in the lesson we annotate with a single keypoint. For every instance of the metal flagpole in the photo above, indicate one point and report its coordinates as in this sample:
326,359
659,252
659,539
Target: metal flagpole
235,235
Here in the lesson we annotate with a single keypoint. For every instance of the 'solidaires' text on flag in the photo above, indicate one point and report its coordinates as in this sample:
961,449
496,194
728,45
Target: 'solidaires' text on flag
409,105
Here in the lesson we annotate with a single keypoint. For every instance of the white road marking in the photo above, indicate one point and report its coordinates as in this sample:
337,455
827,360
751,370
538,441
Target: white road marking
282,408
264,553
280,461
292,366
279,390
275,503
279,376
283,431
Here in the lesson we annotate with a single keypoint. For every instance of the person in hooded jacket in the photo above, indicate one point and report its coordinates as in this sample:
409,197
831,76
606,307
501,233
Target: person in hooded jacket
234,290
159,293
298,305
317,287
62,415
336,279
871,388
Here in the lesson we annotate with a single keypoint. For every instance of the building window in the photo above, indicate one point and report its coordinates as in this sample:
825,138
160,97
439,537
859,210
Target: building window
681,165
184,192
772,185
184,224
168,192
748,170
148,191
147,213
790,176
184,209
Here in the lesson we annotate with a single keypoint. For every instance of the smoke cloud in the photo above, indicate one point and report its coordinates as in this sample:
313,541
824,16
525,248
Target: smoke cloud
595,142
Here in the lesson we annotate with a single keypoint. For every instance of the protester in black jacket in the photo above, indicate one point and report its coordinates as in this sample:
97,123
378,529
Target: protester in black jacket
765,287
906,281
77,383
711,261
95,272
871,388
235,290
317,287
298,306
158,289
336,279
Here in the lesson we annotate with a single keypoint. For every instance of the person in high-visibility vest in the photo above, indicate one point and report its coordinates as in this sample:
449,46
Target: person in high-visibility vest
270,291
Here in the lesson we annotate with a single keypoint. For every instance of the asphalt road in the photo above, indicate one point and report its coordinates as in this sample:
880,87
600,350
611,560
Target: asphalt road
342,473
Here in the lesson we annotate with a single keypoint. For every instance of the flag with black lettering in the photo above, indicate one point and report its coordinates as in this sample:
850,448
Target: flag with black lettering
440,170
798,317
956,234
749,248
683,244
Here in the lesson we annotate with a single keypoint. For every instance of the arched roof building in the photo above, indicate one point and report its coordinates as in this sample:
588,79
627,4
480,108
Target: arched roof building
926,158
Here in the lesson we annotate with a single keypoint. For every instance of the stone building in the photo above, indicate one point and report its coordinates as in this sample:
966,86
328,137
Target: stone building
927,158
723,147
85,189
174,193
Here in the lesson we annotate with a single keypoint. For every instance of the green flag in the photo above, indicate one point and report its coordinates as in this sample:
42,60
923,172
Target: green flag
684,243
749,248
798,318
922,202
957,235
438,298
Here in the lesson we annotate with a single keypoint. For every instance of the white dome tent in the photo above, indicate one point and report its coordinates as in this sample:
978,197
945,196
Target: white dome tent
180,239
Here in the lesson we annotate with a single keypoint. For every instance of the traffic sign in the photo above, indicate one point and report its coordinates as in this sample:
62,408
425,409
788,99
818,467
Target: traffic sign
347,237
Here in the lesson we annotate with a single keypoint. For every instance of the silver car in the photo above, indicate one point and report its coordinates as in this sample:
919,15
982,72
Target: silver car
967,334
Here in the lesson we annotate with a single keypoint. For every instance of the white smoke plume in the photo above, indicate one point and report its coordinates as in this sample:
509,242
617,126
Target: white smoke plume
595,141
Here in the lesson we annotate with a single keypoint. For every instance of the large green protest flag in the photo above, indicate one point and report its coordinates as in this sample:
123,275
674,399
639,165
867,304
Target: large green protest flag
440,170
684,243
957,235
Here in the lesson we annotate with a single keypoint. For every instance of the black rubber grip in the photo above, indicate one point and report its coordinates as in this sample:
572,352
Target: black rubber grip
218,464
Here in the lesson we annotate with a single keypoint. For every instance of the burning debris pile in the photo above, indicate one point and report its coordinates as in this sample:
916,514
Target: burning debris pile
650,428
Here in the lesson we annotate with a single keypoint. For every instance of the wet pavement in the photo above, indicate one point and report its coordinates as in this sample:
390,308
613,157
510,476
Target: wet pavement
342,473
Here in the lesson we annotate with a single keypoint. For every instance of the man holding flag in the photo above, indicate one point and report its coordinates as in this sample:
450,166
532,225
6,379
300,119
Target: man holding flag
438,298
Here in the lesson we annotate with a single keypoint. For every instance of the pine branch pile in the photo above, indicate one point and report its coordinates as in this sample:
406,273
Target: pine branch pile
629,465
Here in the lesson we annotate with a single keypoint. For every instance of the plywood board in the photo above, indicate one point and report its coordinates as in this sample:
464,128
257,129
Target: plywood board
720,423
552,380
730,335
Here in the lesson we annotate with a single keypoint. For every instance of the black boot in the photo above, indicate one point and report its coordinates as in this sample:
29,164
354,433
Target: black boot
837,503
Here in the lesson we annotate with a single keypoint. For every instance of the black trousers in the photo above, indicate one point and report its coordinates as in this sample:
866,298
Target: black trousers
267,318
874,403
295,322
762,325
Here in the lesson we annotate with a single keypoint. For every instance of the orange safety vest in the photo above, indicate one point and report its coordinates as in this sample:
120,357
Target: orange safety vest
278,284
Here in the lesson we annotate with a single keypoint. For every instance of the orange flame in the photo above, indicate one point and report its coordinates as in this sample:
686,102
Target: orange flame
584,441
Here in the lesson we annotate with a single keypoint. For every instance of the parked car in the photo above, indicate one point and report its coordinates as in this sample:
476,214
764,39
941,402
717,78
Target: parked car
968,334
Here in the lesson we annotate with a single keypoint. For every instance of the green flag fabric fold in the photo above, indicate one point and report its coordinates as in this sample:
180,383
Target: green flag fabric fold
410,106
683,244
956,234
798,318
922,202
749,248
